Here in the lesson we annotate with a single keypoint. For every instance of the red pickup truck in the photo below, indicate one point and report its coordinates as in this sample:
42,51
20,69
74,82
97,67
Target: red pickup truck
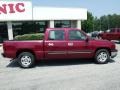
113,34
59,43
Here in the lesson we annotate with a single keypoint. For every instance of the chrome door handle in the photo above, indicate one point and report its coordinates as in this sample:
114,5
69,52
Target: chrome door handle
50,44
70,44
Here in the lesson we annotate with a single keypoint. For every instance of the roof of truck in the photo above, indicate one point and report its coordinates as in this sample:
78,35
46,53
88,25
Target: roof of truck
63,29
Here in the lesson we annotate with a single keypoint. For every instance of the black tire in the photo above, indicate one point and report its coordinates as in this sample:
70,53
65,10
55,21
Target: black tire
102,56
26,59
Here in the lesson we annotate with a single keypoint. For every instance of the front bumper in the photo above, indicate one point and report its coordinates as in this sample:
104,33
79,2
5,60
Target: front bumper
114,53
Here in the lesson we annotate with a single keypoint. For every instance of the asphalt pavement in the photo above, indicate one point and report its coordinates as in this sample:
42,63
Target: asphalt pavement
61,75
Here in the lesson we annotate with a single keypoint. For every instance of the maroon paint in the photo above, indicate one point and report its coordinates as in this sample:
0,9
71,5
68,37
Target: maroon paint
60,50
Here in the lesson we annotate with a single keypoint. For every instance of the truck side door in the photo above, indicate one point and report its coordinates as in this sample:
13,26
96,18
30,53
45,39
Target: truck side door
55,46
77,45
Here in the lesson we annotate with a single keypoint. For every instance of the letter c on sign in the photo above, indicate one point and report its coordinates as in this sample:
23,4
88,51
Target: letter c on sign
20,7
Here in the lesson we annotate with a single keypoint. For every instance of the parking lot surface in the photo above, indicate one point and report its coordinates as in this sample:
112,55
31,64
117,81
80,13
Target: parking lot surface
62,75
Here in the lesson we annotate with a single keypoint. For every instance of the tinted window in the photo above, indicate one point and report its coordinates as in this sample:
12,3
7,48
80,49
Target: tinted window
57,35
64,23
3,32
76,35
112,30
29,27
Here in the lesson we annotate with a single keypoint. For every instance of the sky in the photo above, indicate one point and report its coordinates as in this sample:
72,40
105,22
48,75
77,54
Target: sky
97,7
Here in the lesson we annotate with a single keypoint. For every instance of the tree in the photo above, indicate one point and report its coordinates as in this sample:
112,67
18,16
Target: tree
103,23
97,24
87,25
107,22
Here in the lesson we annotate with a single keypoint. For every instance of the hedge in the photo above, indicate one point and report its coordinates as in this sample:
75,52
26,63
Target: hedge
37,36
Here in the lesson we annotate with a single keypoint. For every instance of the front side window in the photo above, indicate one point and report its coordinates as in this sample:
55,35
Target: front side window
76,35
57,35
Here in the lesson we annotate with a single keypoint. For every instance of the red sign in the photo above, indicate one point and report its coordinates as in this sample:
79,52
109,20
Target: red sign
12,8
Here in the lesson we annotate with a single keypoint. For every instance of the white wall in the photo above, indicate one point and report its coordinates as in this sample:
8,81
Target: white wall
10,30
50,13
38,13
79,24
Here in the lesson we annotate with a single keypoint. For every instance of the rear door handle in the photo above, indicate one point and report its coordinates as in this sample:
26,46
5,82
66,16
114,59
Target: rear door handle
70,44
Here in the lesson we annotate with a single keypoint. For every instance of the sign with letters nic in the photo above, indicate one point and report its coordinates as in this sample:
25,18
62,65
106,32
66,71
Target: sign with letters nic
15,10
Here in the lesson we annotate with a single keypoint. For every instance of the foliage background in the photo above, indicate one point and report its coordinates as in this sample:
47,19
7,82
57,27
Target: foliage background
102,23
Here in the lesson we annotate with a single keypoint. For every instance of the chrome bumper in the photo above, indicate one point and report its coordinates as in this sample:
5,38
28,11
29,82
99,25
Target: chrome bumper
113,53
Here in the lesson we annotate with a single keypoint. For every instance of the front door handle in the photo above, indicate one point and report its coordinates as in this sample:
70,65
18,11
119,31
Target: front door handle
70,44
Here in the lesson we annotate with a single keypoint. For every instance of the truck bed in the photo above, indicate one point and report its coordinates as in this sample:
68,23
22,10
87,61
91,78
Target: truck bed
14,47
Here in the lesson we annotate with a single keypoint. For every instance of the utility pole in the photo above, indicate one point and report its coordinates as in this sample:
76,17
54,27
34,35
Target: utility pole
100,25
93,26
108,22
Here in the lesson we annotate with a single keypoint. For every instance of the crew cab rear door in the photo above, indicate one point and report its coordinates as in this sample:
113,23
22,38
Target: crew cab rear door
55,45
78,47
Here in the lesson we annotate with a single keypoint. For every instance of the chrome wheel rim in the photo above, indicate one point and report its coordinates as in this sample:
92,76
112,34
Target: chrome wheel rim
102,57
25,61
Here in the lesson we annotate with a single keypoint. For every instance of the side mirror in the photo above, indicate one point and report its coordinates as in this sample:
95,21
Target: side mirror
87,39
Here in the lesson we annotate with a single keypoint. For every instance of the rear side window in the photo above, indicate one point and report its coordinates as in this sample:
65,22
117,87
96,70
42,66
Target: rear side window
57,35
76,35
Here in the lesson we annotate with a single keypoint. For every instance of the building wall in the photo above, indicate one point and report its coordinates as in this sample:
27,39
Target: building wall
15,28
53,13
18,14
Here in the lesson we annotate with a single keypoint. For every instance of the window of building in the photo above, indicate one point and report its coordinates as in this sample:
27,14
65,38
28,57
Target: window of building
57,35
20,28
3,32
41,26
29,27
62,24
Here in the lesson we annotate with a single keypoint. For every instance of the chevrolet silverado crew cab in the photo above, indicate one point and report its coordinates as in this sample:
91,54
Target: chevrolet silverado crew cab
59,43
113,34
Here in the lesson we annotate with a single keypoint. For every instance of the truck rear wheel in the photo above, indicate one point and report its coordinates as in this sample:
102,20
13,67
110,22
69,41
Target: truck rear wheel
102,56
26,59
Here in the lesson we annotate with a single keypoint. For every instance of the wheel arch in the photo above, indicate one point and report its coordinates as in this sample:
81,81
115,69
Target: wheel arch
24,50
106,48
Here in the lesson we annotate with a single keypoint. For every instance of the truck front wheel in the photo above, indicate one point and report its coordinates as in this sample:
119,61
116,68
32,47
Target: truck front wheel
102,56
26,59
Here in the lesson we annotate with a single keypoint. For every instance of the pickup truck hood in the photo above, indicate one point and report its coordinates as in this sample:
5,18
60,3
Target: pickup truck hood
103,43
